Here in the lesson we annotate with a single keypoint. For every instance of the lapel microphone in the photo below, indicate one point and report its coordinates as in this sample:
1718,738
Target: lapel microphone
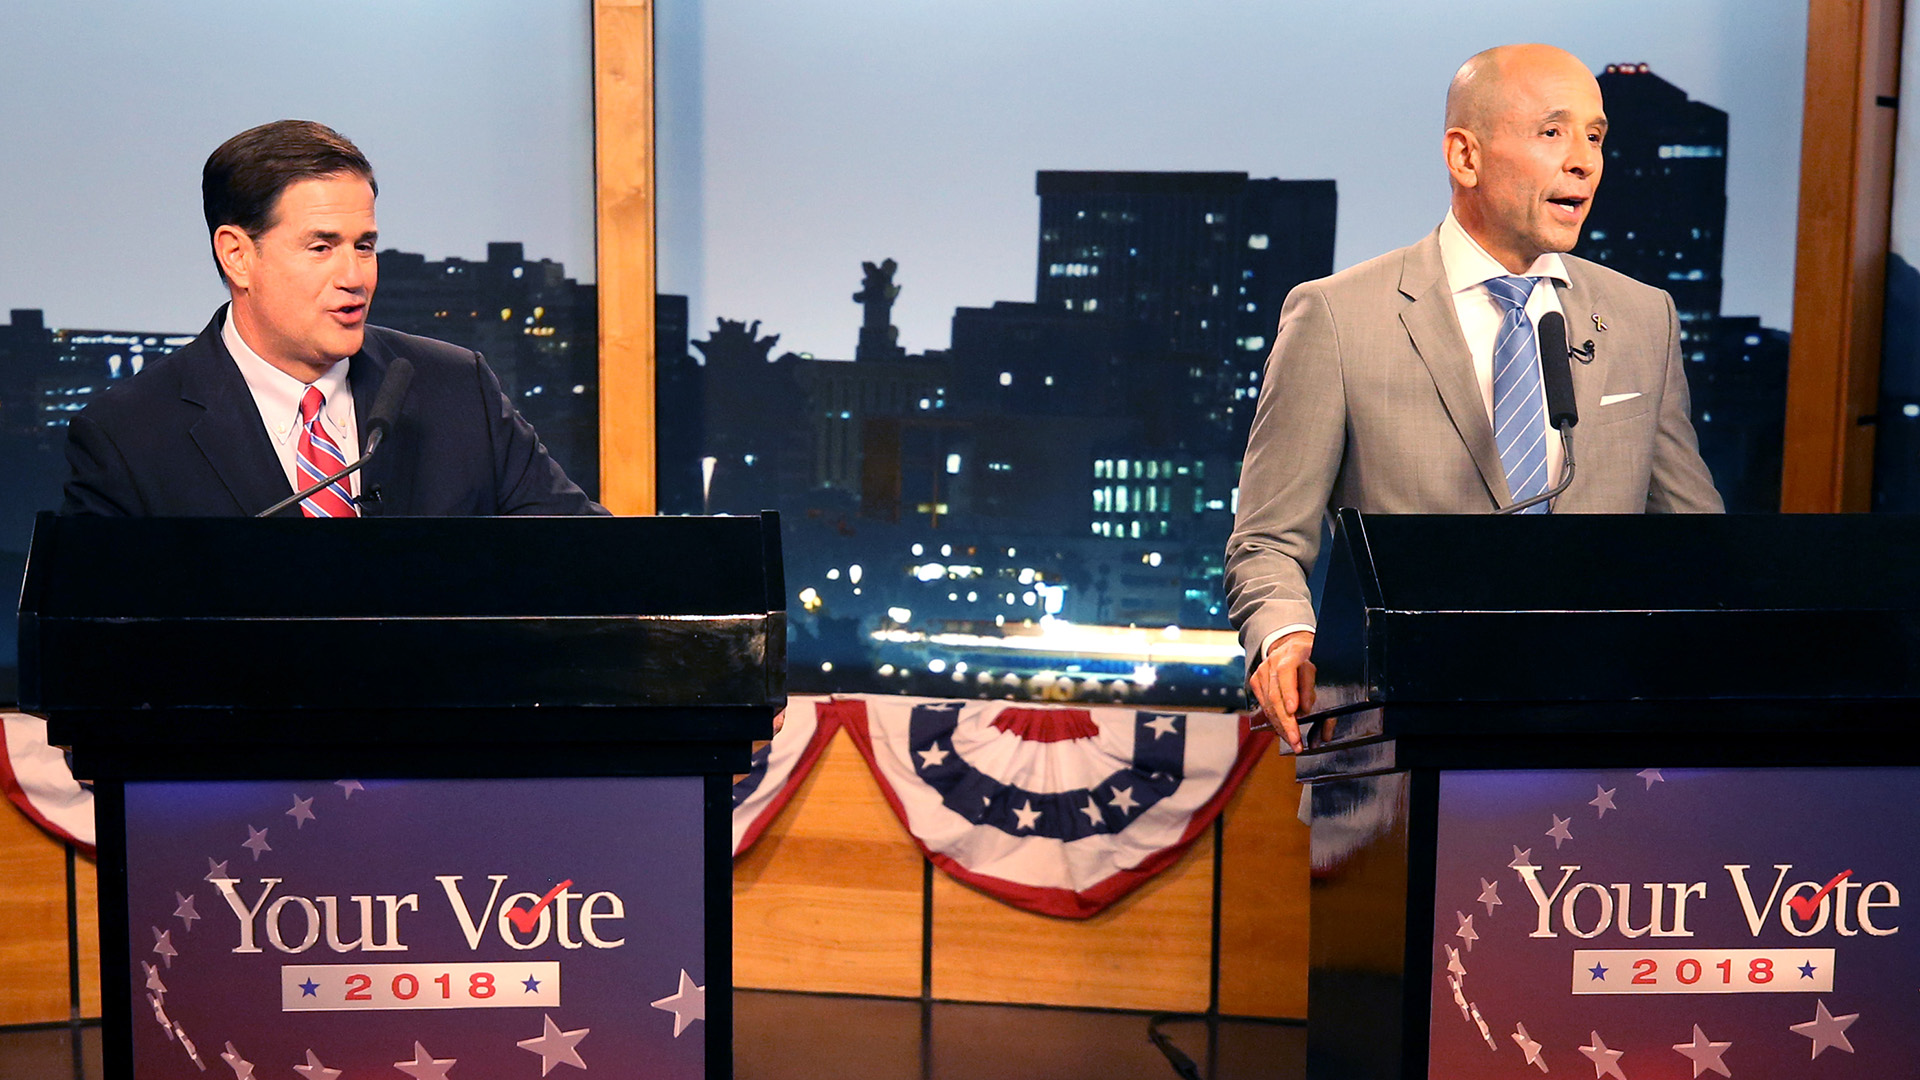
386,408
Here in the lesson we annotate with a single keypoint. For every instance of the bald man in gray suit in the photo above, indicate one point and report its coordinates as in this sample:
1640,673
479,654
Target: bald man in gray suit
1379,392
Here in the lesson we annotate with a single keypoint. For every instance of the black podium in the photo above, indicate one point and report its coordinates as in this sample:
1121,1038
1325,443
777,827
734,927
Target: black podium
1633,793
449,796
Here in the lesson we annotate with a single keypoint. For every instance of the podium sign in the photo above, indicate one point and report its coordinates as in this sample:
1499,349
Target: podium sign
503,926
1644,922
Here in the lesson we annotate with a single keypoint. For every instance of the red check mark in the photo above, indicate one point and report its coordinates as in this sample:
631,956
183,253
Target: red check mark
1805,908
525,920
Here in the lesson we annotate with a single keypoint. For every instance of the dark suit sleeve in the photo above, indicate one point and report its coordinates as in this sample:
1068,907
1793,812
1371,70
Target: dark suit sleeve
526,478
1680,482
98,480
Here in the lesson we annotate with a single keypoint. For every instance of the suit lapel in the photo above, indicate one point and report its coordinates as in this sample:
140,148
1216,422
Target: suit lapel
1589,378
1435,329
384,486
231,433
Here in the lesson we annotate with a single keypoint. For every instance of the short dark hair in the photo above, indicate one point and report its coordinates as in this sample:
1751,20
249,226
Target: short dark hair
242,180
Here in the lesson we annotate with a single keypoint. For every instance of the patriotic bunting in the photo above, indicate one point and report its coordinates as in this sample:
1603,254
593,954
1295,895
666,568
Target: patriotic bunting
36,778
1060,811
780,766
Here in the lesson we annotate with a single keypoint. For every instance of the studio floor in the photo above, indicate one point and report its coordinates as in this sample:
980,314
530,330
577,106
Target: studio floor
785,1036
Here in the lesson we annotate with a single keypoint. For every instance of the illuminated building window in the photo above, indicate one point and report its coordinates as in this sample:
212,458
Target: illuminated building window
1258,241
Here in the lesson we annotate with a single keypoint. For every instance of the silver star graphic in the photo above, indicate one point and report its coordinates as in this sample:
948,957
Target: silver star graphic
687,1004
1161,725
160,1015
1604,800
313,1070
257,842
1453,962
425,1066
302,811
1560,833
1485,1032
1521,859
185,912
216,869
1606,1062
1528,1046
163,944
1704,1053
1651,776
153,979
1092,810
242,1068
1490,895
347,788
1826,1029
555,1047
932,757
1466,933
1123,798
1027,815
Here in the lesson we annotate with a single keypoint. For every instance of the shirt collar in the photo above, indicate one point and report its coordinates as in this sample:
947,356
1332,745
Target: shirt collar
1468,264
278,394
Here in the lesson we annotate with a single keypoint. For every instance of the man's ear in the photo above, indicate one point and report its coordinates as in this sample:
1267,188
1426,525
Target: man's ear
235,250
1462,150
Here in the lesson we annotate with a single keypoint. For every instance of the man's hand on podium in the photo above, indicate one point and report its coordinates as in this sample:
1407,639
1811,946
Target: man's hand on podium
1283,684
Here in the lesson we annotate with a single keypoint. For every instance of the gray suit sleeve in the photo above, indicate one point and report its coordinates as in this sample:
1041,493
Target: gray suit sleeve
1680,483
1293,457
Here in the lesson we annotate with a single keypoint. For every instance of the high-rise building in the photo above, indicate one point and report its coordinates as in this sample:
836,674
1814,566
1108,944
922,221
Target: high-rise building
1660,217
537,327
1661,212
1204,259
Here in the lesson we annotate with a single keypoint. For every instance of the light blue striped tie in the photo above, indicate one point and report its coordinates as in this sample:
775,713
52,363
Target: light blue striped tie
1519,402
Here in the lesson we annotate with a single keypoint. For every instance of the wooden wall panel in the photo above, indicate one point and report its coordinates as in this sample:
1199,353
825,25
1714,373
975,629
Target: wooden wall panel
829,899
1263,896
1839,291
624,186
86,888
33,928
1150,951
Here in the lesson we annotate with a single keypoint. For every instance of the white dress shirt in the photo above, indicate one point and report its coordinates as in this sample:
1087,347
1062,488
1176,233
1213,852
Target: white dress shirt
1469,268
277,395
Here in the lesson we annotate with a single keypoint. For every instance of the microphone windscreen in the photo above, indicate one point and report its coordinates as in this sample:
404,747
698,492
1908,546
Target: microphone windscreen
393,393
1555,373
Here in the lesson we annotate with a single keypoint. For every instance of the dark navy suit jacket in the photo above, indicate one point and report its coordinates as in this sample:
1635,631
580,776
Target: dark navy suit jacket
184,439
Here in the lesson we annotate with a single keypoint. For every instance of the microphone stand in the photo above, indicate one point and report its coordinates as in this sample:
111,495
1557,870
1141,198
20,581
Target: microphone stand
1566,476
373,443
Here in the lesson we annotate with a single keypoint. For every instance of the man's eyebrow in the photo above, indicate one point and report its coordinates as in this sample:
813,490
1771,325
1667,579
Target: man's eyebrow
332,237
1565,116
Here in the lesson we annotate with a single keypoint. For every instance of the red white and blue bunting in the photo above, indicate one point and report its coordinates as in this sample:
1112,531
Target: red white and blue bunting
37,779
1060,811
779,767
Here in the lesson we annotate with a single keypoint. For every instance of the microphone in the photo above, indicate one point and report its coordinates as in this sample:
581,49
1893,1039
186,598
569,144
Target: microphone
1556,378
386,408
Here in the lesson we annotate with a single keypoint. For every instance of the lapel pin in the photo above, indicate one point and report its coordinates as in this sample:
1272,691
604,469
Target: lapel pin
1599,323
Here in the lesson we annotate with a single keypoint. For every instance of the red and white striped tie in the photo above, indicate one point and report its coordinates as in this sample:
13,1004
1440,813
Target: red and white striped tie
319,458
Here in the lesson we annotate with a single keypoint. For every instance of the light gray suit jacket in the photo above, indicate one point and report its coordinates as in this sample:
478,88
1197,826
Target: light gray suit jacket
1370,400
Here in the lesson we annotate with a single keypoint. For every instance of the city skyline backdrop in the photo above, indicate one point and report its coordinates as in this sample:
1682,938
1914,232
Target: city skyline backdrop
797,140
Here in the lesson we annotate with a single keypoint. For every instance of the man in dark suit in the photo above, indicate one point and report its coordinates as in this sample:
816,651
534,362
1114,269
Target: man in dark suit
286,374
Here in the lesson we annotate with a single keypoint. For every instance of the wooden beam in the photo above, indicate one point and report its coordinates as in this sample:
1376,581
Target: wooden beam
1839,293
624,201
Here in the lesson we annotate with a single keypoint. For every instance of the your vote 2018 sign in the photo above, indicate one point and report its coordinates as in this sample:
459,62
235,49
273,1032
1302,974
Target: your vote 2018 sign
430,928
1676,923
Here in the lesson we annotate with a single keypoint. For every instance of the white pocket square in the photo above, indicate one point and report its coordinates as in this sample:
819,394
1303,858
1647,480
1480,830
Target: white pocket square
1615,399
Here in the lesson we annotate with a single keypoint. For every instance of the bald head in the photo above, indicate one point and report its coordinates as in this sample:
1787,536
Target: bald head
1525,126
1485,87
